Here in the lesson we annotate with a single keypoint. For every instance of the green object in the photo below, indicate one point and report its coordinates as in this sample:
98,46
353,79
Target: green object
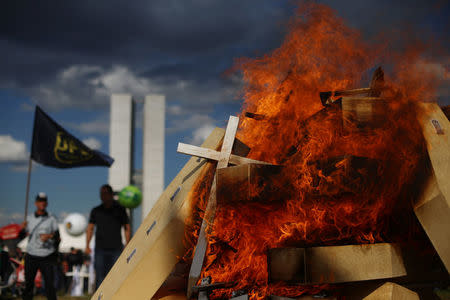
130,197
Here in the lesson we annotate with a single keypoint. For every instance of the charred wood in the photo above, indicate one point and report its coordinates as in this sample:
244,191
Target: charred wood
255,116
345,174
377,83
374,89
249,182
446,110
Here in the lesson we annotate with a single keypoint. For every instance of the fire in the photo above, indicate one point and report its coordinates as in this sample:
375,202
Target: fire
340,185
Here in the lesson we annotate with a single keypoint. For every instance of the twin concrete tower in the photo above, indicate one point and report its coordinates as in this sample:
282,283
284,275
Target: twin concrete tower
121,147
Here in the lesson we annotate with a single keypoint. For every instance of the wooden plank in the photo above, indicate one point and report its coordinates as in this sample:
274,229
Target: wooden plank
239,160
248,182
200,249
392,291
160,235
198,151
158,261
353,263
215,155
436,130
335,264
228,142
433,212
202,242
352,92
433,206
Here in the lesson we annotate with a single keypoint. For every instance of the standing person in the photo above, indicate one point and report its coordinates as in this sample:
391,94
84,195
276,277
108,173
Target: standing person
43,237
108,218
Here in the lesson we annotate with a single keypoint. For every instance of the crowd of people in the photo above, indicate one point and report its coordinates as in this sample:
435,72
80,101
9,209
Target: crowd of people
62,270
43,263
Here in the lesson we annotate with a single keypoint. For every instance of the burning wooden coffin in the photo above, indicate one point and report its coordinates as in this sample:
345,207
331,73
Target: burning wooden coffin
306,224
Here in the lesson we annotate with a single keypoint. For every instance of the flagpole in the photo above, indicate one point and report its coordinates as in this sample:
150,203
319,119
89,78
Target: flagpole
28,189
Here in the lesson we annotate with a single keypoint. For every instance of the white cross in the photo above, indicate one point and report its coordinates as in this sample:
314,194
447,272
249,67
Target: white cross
224,156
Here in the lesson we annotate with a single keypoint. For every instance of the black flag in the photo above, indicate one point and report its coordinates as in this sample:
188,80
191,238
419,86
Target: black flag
53,146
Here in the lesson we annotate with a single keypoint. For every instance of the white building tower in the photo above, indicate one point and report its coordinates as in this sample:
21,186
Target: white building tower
153,151
121,147
121,141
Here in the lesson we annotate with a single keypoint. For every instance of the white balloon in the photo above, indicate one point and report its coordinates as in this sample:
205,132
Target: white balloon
75,224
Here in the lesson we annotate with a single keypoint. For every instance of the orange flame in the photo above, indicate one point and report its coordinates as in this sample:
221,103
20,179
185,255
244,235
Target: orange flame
371,169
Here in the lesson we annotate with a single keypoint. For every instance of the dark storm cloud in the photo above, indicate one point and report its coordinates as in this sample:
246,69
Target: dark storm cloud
117,27
375,16
75,53
158,42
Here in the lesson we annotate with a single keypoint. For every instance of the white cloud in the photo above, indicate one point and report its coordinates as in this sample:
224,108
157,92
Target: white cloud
91,86
200,134
192,122
88,86
76,71
121,80
93,143
12,150
200,126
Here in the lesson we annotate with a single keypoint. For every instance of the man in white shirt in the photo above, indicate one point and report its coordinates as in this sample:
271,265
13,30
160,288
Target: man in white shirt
43,235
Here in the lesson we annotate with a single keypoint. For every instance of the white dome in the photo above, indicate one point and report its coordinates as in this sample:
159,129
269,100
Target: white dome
75,224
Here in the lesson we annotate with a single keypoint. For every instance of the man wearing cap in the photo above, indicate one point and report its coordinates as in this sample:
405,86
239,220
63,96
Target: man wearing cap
43,234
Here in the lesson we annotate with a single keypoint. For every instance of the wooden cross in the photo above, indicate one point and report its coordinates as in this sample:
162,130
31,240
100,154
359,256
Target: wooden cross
224,157
215,155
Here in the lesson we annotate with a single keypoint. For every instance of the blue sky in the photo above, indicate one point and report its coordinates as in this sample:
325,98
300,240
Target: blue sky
68,57
76,189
